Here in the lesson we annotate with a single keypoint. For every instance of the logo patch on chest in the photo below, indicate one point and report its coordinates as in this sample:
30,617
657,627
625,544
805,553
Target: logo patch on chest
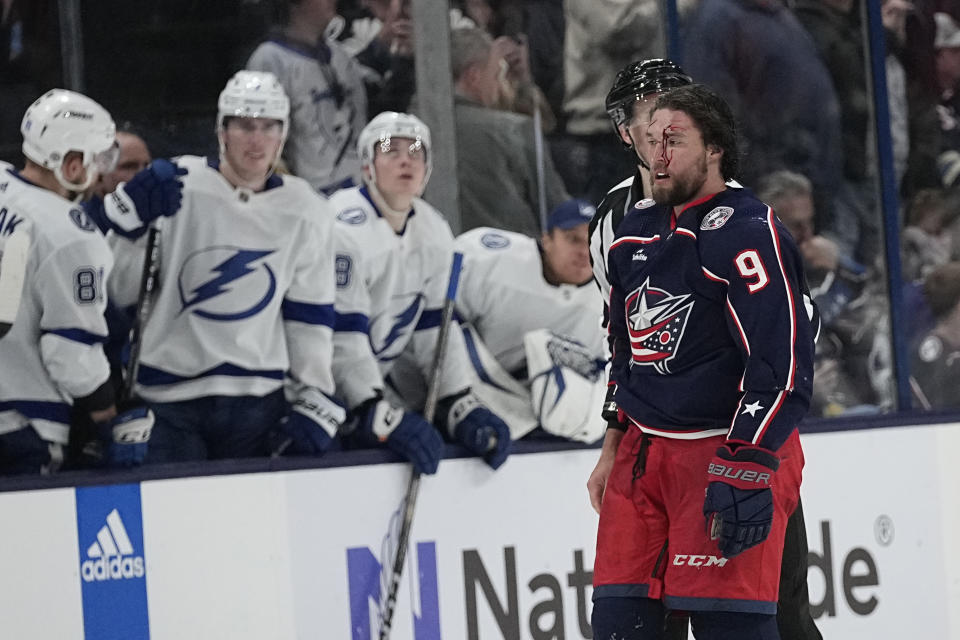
656,321
716,218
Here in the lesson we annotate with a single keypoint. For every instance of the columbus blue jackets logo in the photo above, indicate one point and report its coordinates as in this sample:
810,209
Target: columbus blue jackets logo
716,218
646,203
226,283
655,322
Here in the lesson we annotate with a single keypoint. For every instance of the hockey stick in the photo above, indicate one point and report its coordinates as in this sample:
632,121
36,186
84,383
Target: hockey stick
429,409
148,282
13,268
538,150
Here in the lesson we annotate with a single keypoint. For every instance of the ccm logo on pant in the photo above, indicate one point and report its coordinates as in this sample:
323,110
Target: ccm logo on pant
698,561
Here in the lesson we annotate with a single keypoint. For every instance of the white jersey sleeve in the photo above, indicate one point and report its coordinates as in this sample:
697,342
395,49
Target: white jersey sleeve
70,285
355,367
123,286
307,308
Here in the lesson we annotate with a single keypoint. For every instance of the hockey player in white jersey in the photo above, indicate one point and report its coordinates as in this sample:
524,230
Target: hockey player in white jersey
531,319
393,257
244,305
53,357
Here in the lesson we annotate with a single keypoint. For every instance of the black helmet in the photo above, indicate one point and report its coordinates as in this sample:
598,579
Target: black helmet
639,79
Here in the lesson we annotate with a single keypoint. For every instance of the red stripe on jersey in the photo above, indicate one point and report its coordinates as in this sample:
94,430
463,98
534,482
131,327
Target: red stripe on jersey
733,314
694,203
790,300
770,414
686,232
634,240
761,430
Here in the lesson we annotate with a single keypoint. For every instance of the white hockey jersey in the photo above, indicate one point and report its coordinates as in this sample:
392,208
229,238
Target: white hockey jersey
245,291
390,292
54,351
503,295
328,108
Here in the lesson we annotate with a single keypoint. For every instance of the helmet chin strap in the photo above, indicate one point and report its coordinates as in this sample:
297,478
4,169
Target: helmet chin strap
74,188
396,217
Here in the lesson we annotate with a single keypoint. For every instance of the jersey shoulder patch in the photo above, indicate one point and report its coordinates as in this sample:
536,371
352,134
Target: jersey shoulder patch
716,218
82,220
494,240
646,203
353,215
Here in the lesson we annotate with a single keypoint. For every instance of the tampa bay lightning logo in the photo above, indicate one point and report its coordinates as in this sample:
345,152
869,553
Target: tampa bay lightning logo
390,332
82,220
226,283
356,215
493,240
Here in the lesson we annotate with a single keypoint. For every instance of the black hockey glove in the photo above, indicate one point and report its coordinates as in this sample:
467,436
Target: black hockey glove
739,501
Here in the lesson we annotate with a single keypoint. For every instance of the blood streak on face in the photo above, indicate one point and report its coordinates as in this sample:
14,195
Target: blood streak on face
664,155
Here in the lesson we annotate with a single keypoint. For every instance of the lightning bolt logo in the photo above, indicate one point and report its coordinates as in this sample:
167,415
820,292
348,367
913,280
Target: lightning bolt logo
401,321
229,270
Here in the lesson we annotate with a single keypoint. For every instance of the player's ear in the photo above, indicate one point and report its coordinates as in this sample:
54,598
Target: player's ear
72,167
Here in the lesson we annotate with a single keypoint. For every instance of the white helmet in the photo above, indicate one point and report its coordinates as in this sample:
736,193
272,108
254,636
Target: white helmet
391,124
62,121
254,94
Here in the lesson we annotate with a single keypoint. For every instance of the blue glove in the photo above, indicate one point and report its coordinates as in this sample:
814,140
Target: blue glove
311,425
126,437
405,432
153,192
739,502
476,427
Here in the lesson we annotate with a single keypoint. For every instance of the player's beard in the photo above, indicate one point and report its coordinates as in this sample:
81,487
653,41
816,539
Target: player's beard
682,188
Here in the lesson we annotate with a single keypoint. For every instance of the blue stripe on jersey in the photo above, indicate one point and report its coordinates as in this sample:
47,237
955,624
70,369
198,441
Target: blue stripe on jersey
322,314
78,335
477,364
150,376
351,322
36,409
429,319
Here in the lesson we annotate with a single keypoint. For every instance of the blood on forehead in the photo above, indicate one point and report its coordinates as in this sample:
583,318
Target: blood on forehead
666,153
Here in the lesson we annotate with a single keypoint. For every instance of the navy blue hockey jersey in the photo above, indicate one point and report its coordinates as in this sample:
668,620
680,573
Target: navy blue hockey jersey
710,321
